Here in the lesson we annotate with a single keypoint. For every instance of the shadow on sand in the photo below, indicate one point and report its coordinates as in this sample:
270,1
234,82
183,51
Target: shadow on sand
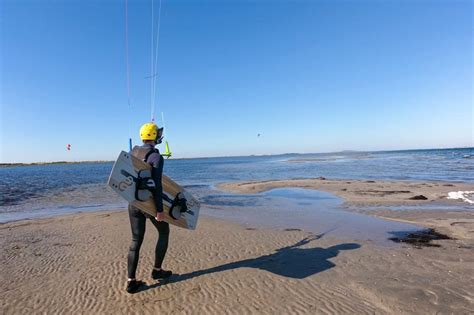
291,261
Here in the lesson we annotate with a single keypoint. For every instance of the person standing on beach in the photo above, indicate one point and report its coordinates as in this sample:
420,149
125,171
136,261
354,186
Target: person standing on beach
151,135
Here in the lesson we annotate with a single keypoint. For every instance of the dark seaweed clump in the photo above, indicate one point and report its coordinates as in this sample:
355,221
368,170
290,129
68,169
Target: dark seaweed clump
420,238
419,197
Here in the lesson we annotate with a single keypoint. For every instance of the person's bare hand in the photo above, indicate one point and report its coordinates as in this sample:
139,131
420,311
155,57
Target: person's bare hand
160,216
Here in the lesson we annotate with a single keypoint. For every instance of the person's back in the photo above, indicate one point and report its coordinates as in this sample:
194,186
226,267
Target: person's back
151,135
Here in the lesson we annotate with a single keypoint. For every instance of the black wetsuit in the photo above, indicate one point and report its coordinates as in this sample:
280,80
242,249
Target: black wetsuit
138,218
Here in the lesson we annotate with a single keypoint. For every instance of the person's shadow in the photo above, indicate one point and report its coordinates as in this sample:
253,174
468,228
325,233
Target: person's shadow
291,261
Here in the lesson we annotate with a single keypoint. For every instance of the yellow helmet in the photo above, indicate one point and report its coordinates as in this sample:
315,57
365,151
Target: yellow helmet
150,131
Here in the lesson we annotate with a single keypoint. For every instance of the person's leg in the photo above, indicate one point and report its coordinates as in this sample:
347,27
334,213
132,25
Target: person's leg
138,224
160,249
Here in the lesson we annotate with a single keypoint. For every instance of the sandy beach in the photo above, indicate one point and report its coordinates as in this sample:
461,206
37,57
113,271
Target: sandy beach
77,264
322,152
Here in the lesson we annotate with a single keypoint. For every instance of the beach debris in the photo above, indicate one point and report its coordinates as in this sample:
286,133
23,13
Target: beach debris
418,197
463,195
421,239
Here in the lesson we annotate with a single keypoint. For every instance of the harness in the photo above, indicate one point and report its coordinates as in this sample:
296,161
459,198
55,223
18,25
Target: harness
146,186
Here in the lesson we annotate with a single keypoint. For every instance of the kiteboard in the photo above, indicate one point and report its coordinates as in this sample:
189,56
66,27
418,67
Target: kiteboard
131,179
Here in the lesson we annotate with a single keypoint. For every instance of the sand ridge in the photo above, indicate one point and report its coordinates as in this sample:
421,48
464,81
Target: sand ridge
362,192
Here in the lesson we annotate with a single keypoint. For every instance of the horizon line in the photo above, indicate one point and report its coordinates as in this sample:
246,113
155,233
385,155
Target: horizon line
7,164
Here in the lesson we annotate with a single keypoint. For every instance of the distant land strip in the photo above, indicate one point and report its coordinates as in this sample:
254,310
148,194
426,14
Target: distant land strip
51,163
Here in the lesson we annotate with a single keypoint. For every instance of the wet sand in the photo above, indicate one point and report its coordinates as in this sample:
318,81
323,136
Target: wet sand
77,264
381,195
363,192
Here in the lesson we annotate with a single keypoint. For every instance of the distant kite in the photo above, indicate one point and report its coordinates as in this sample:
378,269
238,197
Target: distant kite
258,135
68,147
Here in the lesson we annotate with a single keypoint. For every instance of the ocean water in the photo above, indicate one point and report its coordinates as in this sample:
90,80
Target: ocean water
45,190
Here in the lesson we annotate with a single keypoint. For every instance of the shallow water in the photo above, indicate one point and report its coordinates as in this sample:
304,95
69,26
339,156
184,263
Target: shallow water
73,199
309,210
46,190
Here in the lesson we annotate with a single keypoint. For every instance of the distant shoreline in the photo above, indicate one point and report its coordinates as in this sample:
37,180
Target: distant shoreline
238,156
51,163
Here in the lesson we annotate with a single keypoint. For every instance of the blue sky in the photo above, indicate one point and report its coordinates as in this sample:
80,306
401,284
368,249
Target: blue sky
309,76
